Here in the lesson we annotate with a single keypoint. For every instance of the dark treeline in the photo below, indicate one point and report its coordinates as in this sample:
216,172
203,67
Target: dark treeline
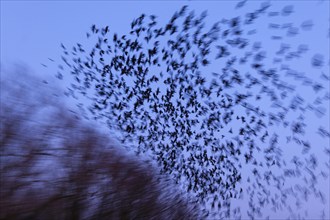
56,166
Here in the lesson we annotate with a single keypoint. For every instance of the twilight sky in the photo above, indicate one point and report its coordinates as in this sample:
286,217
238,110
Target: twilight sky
32,31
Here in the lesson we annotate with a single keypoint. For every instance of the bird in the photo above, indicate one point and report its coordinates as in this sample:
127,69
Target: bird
180,109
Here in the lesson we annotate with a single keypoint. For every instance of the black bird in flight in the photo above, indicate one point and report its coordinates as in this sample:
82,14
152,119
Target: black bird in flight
177,88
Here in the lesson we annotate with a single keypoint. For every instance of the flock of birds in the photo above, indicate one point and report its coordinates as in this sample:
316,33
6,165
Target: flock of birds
158,87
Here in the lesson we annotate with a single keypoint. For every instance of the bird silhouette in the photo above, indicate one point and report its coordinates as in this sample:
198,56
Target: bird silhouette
179,110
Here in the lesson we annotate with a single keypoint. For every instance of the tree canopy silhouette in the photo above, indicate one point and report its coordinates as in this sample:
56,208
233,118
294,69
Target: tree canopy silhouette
57,166
209,103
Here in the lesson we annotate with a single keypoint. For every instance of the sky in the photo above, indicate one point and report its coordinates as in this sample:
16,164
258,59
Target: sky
32,32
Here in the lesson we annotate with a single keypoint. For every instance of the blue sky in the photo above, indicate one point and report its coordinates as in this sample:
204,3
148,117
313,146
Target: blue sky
40,26
32,31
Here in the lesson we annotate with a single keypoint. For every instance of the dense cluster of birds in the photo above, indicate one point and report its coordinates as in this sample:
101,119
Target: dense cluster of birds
158,86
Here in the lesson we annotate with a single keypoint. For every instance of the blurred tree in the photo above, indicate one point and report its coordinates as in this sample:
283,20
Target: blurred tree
55,166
